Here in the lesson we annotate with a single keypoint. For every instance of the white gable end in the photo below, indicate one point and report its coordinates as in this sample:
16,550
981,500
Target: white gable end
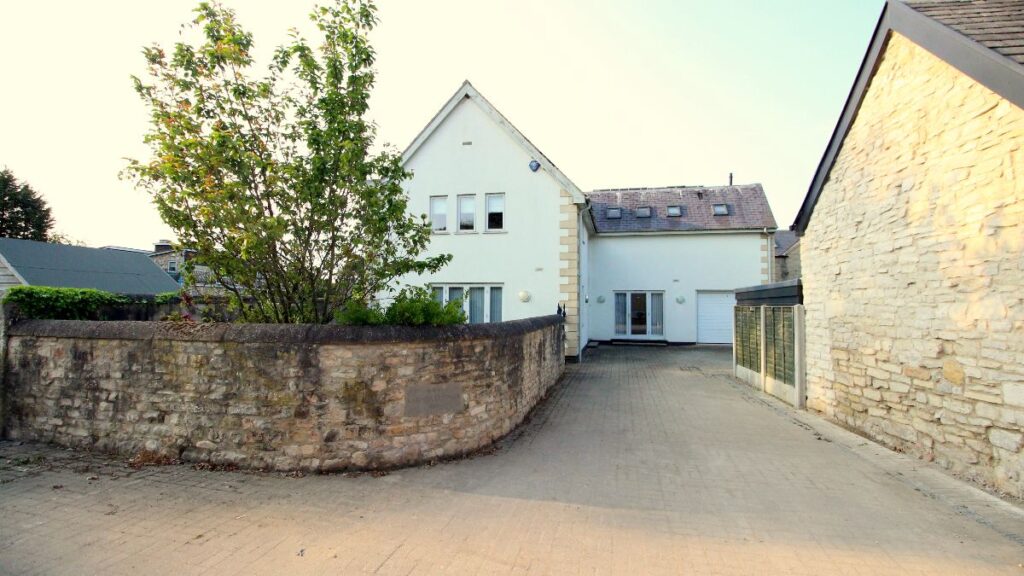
470,151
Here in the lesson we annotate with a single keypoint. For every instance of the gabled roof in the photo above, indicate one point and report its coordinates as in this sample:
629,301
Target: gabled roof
747,205
784,241
59,265
468,92
981,38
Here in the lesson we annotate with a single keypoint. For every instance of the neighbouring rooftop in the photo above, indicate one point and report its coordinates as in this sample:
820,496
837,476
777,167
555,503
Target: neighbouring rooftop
681,209
59,265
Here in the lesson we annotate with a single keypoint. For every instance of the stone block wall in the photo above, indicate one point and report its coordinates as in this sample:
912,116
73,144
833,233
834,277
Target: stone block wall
569,270
279,397
787,266
913,272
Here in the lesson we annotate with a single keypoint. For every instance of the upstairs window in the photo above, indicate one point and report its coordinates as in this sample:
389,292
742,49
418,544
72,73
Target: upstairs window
495,211
643,212
720,209
439,213
467,213
674,211
613,213
172,266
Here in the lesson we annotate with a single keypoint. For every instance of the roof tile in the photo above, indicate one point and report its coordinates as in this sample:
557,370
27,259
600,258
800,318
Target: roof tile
995,24
748,209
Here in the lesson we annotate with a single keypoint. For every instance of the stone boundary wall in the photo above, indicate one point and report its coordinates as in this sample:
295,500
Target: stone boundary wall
277,397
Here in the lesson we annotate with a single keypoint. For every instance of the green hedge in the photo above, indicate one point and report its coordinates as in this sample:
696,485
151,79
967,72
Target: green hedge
412,307
45,303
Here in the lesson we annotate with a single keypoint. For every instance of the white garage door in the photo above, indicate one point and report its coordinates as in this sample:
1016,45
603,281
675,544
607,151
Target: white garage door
714,317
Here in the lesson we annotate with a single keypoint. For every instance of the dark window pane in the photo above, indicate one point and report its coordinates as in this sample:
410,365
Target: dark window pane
638,313
495,304
476,305
454,294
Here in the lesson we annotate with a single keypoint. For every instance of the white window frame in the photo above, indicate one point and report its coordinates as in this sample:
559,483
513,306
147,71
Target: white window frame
487,212
172,265
430,209
465,300
458,219
647,335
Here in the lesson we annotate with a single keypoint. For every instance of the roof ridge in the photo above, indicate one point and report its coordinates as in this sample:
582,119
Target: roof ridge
679,187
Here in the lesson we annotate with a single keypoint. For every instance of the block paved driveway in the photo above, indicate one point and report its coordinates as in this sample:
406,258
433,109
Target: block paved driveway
642,461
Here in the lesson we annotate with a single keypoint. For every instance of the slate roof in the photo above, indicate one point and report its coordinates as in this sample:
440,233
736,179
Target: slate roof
748,209
118,271
995,24
784,240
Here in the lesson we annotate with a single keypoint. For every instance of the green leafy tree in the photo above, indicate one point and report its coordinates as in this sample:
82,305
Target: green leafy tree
272,179
23,212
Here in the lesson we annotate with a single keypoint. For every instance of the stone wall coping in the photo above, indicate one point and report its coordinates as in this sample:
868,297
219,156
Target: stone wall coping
273,333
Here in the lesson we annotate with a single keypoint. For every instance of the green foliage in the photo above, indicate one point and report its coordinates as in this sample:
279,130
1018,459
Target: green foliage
412,307
166,298
23,212
356,313
273,180
45,303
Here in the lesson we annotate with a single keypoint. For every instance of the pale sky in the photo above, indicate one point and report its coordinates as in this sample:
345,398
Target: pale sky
616,93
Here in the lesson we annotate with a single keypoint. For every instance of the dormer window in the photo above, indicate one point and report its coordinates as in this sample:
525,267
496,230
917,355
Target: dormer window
720,209
643,212
674,211
613,213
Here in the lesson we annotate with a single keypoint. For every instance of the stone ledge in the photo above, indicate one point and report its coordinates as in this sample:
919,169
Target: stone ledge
272,333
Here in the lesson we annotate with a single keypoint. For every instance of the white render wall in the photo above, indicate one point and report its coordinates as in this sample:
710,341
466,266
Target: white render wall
584,259
679,265
523,258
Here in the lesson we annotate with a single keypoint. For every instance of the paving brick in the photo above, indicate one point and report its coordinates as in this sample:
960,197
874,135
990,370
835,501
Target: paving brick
642,461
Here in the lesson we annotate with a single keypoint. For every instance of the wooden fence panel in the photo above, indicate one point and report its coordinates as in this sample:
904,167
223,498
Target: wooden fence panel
748,337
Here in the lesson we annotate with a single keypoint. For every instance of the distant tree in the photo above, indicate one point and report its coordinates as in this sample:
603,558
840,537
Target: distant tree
62,238
23,212
272,180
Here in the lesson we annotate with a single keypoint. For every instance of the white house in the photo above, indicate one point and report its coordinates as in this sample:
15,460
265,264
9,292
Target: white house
637,264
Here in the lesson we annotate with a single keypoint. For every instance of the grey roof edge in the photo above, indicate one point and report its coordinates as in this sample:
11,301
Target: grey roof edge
779,284
986,66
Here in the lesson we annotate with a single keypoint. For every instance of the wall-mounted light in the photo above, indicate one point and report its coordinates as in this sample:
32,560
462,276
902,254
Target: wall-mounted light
680,300
524,296
600,299
534,165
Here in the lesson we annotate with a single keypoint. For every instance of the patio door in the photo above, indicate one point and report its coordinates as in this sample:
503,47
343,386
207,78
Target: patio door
639,314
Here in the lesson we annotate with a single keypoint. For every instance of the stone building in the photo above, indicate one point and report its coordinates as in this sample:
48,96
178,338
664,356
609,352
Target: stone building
787,256
172,261
913,243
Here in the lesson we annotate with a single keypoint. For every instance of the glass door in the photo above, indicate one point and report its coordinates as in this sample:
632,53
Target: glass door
639,314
